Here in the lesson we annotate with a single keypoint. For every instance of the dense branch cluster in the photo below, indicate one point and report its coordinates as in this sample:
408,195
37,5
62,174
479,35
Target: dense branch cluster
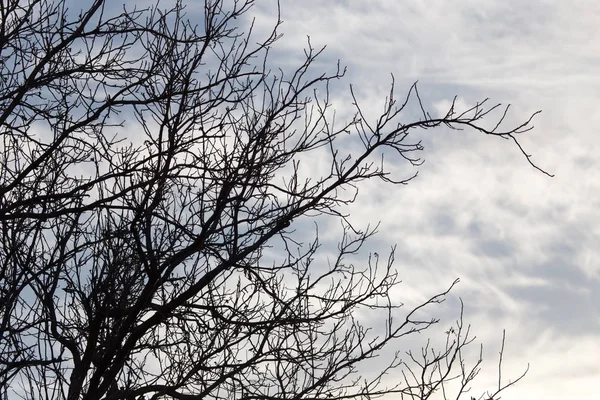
148,164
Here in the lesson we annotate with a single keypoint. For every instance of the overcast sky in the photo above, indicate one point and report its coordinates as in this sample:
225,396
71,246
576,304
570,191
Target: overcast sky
524,245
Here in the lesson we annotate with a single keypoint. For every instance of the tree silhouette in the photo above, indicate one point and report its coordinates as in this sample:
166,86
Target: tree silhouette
152,173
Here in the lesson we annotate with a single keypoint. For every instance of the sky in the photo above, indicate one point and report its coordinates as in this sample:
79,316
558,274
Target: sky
525,246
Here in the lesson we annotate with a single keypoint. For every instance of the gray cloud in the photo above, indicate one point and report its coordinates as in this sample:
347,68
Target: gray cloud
524,245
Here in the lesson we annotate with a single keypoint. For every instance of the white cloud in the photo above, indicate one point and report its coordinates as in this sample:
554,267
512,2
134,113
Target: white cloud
525,245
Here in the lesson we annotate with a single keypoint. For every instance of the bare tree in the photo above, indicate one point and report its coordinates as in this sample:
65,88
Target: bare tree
152,172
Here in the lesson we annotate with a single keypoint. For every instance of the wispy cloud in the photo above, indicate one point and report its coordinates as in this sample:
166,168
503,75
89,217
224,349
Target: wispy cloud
525,246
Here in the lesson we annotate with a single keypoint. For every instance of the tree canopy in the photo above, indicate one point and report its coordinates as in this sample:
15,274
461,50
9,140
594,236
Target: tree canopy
153,173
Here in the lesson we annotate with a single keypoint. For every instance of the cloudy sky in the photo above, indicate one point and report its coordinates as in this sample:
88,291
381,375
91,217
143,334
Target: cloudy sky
524,245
